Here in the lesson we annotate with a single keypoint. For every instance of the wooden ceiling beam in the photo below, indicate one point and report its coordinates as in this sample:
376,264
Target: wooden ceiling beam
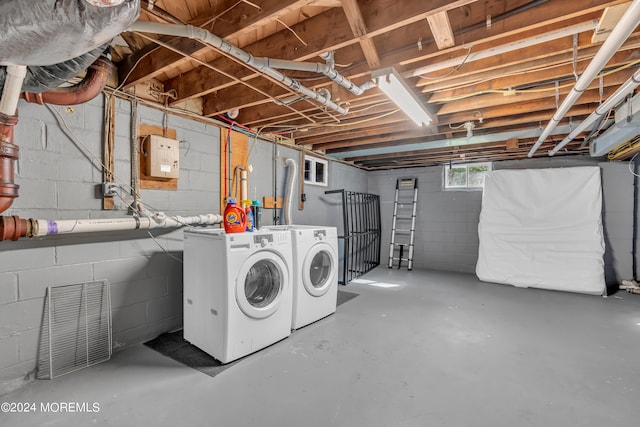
435,161
198,83
431,138
588,97
488,100
227,99
239,20
359,29
526,78
554,14
393,17
202,80
632,44
396,133
447,155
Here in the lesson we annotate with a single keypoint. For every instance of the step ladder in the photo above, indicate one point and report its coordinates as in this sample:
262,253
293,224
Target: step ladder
404,222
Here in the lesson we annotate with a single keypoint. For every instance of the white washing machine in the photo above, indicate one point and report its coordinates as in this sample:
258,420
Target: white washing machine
237,290
315,272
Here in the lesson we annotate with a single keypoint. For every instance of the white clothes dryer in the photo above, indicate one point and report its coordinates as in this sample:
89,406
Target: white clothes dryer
315,272
237,290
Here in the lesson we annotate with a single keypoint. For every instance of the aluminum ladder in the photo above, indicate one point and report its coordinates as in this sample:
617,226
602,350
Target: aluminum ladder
403,226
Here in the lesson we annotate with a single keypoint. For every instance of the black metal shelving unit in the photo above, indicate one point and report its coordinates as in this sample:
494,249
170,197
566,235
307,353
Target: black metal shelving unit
360,237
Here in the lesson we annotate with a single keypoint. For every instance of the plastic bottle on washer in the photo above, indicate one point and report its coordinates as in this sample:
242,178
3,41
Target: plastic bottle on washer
235,220
249,216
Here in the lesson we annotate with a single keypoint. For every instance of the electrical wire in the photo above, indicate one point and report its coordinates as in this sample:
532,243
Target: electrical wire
368,119
631,163
215,18
164,249
82,146
540,90
457,67
293,31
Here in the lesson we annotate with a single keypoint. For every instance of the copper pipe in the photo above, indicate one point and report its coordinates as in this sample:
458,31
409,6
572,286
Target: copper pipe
13,227
8,156
92,84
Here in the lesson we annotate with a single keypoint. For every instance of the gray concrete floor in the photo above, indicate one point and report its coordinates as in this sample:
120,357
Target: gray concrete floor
441,349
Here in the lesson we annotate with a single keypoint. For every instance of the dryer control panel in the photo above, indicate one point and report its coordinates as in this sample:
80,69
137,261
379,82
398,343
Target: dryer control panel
320,234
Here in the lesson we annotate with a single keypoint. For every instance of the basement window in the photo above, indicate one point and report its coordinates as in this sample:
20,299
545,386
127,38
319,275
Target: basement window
316,171
466,176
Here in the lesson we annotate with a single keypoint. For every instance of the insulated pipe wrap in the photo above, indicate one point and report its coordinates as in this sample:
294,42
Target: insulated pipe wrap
47,32
40,79
92,84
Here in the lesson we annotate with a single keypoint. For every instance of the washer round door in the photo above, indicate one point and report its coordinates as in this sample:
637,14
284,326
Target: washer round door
261,281
319,269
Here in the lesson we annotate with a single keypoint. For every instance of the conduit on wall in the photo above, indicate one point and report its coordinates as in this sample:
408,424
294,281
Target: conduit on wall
291,179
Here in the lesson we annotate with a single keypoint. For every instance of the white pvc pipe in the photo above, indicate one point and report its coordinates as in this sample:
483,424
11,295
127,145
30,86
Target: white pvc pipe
287,198
244,191
44,227
510,47
245,57
12,89
626,88
620,33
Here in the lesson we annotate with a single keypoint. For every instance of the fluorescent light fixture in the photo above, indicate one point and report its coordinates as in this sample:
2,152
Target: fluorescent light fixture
394,86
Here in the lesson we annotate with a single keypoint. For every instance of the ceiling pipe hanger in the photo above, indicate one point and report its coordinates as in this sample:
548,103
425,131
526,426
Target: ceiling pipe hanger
620,33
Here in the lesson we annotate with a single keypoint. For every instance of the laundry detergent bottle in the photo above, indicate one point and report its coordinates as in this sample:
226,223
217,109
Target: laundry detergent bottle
235,220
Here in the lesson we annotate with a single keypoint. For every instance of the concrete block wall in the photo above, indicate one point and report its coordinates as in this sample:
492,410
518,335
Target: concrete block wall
447,221
58,181
61,181
318,209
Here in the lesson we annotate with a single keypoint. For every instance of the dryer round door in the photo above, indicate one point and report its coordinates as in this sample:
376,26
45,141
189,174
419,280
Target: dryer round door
261,281
319,269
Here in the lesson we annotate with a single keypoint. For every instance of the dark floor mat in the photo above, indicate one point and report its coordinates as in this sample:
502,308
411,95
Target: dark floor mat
174,346
344,296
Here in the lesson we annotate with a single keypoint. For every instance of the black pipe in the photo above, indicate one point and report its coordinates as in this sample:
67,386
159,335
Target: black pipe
634,241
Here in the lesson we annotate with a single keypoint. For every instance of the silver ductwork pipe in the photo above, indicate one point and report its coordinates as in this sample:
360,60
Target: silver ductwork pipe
224,46
620,33
314,67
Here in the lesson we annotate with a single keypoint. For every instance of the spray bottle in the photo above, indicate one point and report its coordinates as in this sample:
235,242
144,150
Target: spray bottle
246,204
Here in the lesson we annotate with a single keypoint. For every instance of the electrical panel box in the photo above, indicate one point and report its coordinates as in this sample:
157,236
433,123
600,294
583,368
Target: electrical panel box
163,157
